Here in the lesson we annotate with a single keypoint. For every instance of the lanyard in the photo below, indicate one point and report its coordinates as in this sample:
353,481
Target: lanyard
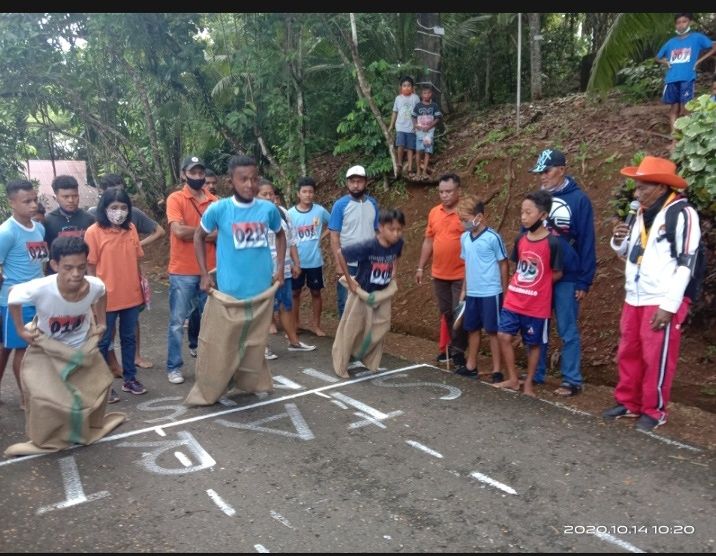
644,231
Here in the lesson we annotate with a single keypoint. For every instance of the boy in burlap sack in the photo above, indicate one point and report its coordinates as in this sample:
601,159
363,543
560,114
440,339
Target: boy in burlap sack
64,376
366,318
236,319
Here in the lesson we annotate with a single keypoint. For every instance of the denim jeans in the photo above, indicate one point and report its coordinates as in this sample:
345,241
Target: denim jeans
192,330
184,297
566,311
342,292
128,319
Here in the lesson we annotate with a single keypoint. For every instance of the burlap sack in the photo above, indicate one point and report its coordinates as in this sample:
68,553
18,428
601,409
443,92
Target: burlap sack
65,396
365,321
232,339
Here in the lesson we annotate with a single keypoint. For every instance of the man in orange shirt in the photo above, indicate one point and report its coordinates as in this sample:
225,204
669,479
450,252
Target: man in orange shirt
442,241
184,210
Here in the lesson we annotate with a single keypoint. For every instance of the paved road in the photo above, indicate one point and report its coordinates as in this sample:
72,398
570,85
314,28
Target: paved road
409,460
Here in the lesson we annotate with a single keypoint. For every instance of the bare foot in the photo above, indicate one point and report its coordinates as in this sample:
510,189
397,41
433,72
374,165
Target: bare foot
508,384
116,371
143,363
273,329
318,331
528,391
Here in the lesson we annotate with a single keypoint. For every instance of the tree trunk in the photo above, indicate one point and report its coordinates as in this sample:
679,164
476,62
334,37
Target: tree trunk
295,66
535,56
365,90
428,54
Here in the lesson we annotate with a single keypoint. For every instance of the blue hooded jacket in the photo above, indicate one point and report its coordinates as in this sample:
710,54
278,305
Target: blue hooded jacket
572,219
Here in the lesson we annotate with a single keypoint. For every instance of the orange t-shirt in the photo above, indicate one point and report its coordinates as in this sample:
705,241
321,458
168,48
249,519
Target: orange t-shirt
115,253
183,208
445,229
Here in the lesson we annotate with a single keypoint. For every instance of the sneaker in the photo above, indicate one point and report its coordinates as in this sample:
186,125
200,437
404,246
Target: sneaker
497,377
617,412
175,377
443,358
459,358
192,352
645,423
300,347
357,364
134,387
113,396
464,371
268,354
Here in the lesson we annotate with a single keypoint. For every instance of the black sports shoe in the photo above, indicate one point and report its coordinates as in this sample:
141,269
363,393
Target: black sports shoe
616,412
497,377
464,371
459,358
645,423
443,358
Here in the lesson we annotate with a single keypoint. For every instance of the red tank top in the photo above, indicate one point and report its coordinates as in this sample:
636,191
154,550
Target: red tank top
530,289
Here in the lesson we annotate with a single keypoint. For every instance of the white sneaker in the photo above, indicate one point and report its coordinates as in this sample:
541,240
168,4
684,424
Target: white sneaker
175,377
268,354
300,347
357,364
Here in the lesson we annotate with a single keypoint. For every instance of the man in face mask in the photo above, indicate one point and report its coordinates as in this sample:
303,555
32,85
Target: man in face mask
184,211
354,219
680,55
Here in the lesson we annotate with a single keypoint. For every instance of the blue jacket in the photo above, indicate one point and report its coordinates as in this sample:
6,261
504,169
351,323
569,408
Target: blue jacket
572,218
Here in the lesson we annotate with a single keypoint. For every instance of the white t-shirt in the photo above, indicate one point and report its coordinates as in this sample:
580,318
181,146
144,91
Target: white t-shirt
62,320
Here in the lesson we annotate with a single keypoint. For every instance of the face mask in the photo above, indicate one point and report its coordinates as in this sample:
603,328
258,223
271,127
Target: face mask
536,226
687,30
195,184
117,217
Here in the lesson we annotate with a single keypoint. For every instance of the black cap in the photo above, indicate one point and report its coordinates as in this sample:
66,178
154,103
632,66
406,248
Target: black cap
191,161
547,159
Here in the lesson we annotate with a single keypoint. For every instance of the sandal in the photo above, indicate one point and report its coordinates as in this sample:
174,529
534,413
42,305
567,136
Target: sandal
567,390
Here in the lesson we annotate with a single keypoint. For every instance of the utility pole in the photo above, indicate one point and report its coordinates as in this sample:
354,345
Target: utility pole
519,65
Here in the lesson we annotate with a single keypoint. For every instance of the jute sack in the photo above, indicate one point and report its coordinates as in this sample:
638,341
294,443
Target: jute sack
65,395
232,340
365,321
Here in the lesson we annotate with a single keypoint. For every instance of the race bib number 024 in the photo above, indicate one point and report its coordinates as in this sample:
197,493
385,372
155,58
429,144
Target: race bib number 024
249,235
37,251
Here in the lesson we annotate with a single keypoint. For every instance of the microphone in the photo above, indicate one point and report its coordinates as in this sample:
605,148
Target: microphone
631,216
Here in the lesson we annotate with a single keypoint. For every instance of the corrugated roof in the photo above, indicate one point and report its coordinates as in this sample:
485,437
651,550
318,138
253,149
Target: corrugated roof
41,170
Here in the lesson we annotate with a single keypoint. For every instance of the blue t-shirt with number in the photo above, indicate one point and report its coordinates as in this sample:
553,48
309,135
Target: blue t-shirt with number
375,263
23,252
682,55
243,258
308,227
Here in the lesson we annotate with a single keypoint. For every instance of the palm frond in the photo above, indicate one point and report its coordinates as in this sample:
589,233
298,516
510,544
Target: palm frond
625,41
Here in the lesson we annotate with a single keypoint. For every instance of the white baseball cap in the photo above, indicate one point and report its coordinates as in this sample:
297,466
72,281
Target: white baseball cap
355,171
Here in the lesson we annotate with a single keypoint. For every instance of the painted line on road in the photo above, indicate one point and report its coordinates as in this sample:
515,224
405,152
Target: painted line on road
74,491
318,374
160,431
492,482
570,409
322,395
368,420
424,448
261,548
619,542
365,408
219,501
672,442
185,461
282,520
339,404
226,411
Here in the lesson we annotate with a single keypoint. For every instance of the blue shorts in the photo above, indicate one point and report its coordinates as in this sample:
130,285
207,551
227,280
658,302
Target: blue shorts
405,140
482,313
678,92
420,145
10,337
534,330
284,296
312,277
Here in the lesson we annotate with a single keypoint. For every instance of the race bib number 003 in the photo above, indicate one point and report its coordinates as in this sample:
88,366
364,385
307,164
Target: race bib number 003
249,235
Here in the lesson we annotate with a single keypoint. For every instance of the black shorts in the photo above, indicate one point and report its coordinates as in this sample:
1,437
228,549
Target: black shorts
311,277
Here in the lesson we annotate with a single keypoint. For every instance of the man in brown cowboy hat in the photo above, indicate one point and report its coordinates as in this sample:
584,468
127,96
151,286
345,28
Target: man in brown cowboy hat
655,305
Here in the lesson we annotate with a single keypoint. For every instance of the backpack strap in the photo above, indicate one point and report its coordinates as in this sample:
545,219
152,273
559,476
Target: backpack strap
672,215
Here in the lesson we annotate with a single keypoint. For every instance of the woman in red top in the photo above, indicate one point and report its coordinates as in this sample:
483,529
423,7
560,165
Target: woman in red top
114,257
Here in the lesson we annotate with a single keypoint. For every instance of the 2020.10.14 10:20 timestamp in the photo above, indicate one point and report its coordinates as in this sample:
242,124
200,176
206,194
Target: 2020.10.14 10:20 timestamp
674,529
